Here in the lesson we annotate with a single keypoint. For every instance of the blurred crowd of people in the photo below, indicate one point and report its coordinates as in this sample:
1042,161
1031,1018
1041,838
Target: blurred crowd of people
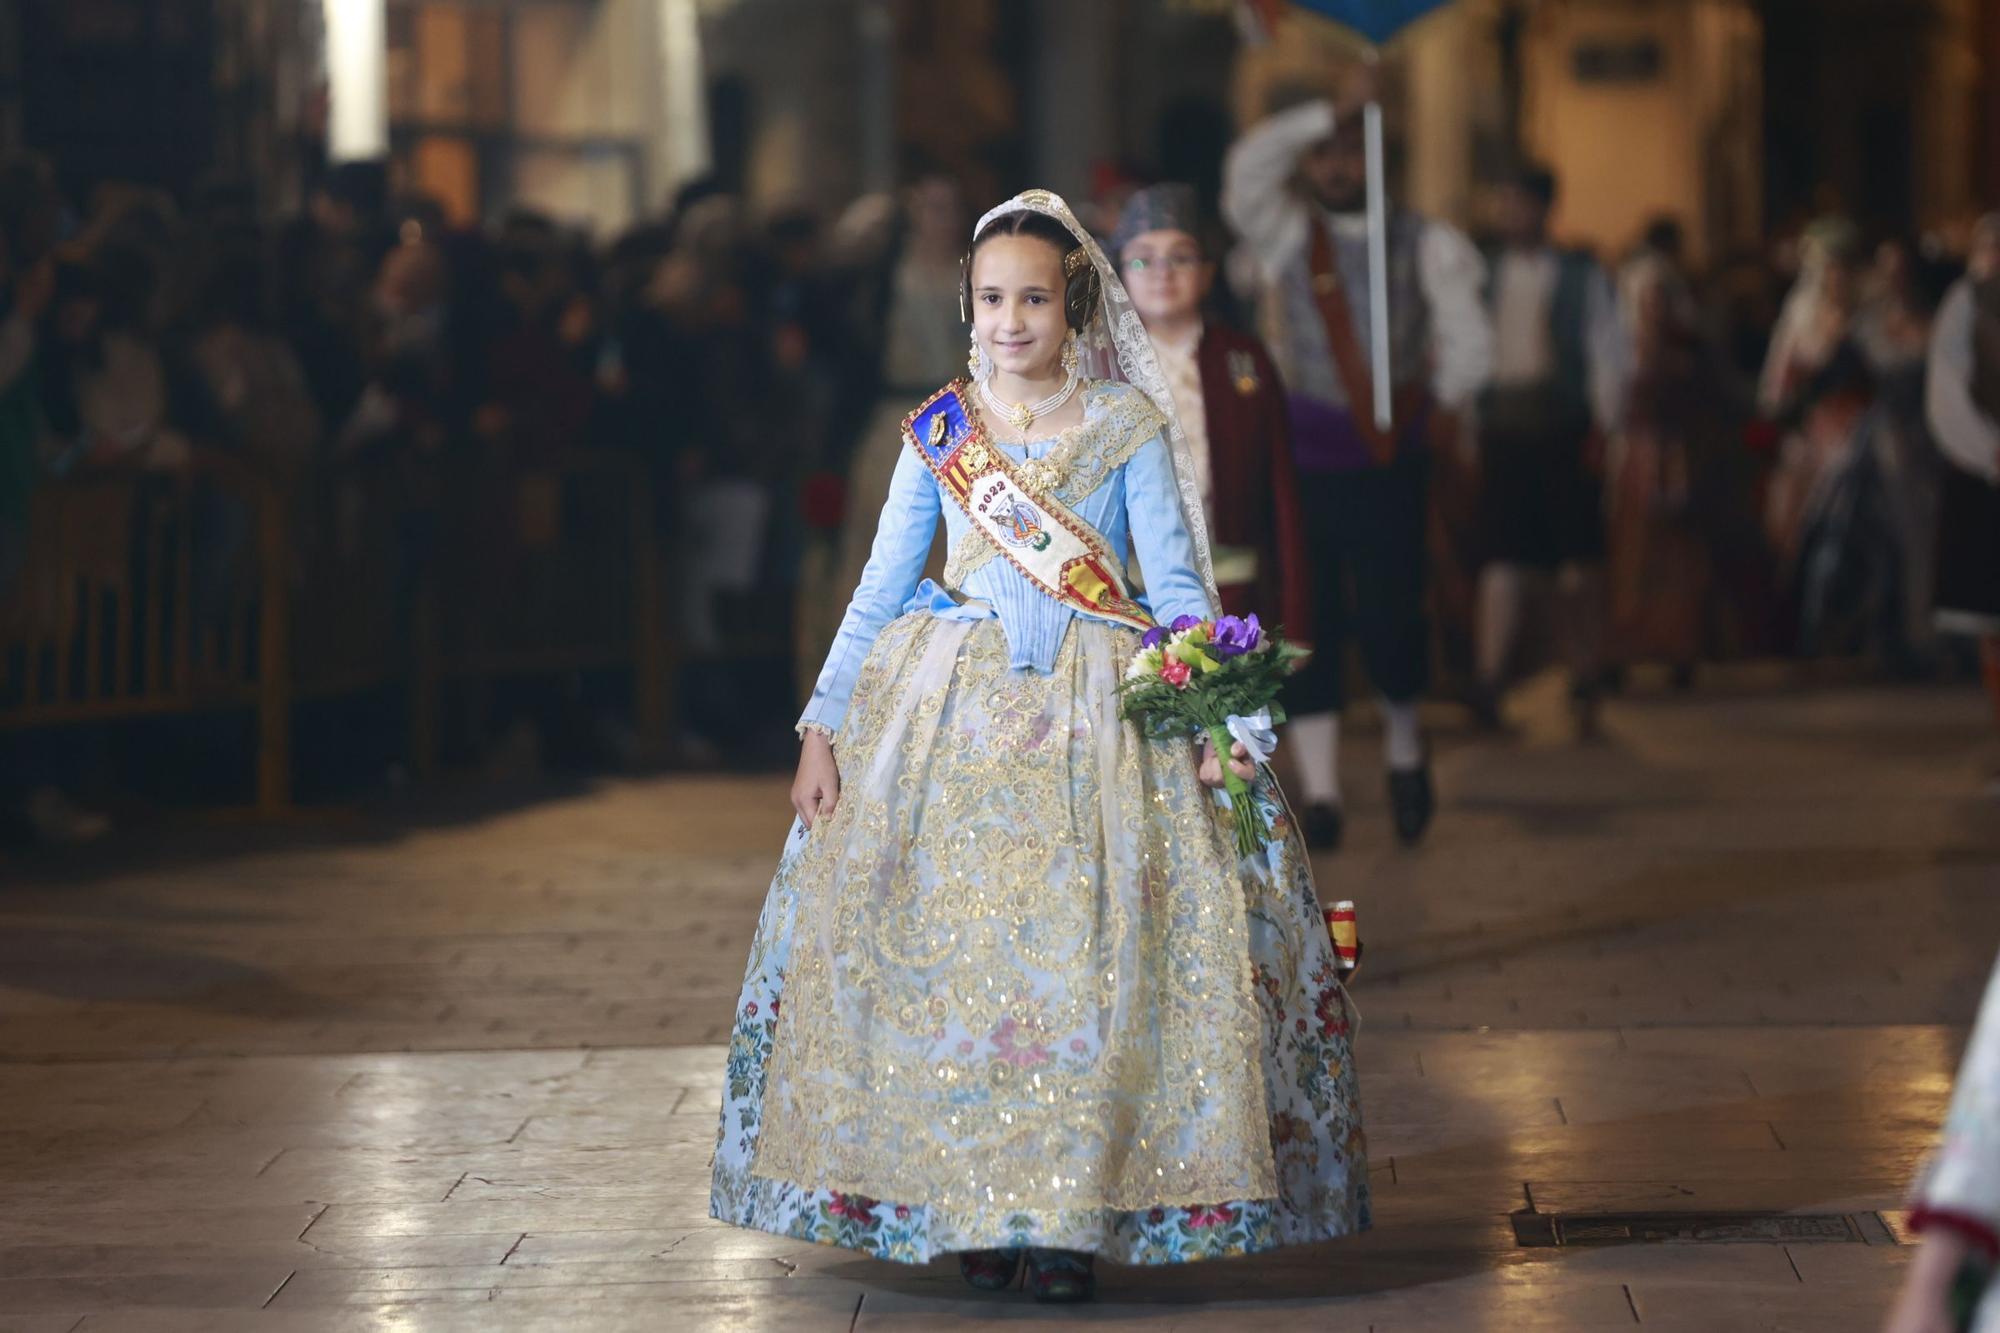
1756,433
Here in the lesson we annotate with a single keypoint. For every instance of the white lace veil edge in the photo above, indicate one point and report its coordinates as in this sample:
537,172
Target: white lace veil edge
1114,346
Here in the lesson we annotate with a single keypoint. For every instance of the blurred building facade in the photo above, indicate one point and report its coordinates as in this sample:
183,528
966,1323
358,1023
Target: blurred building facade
1734,115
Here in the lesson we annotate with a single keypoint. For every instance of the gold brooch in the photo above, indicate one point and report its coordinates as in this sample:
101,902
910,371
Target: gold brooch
938,429
1243,370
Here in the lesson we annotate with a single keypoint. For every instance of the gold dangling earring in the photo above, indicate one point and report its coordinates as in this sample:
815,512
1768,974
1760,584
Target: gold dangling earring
976,363
1070,356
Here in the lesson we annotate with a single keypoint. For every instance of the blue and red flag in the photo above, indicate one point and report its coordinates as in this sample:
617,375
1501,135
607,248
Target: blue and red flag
1374,21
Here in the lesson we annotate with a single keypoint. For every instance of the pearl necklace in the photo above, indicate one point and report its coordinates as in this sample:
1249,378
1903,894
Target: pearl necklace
1022,415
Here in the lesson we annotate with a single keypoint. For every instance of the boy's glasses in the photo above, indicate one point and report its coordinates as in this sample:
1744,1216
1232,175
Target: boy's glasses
1171,263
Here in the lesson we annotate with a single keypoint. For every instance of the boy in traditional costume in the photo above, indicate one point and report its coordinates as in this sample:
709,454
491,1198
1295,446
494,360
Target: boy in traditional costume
1231,404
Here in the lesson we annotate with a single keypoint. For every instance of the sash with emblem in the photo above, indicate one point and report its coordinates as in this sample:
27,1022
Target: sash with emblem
1060,553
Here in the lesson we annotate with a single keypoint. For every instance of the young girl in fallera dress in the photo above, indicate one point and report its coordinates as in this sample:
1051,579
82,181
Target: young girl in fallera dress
1013,996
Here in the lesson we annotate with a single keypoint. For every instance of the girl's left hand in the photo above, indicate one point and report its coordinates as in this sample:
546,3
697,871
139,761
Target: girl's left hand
1239,763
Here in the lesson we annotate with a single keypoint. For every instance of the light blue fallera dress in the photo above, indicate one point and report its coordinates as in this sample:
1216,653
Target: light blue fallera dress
1019,989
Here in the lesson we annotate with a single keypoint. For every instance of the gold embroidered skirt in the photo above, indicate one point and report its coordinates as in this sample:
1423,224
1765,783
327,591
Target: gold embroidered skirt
1029,995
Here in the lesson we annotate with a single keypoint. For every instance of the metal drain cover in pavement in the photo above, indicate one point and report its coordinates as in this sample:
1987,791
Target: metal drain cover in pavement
1546,1229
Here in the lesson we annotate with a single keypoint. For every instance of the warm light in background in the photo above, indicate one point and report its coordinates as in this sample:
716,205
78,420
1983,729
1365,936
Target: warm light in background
357,86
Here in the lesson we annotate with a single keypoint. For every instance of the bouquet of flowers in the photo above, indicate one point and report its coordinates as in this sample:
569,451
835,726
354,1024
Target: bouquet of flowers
1220,678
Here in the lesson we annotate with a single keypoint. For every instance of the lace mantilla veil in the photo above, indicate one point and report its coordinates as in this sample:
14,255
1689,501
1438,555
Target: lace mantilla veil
1114,346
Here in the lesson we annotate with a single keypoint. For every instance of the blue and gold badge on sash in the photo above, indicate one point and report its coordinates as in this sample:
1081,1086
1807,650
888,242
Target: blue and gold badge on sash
1042,537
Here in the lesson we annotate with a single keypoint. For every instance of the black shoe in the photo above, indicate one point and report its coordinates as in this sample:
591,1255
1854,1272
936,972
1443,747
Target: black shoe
1412,801
1323,826
1583,712
1484,701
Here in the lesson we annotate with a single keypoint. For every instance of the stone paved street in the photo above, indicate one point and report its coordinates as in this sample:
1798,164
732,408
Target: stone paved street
456,1067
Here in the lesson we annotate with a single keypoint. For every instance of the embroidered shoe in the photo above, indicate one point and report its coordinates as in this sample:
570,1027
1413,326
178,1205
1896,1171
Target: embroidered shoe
990,1270
1061,1277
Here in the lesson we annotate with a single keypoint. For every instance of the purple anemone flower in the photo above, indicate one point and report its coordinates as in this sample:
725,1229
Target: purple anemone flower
1235,636
1185,622
1153,637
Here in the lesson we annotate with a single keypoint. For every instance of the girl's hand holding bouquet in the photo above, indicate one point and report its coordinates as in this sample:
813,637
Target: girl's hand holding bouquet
1220,679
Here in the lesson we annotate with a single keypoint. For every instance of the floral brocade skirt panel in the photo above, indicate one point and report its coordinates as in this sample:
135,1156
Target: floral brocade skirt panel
1018,989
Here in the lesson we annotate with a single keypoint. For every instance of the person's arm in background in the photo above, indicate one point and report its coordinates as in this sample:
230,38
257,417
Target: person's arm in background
1608,350
33,290
1258,201
1967,436
1453,275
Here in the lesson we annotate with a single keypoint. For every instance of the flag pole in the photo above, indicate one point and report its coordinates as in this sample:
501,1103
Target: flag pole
1378,263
